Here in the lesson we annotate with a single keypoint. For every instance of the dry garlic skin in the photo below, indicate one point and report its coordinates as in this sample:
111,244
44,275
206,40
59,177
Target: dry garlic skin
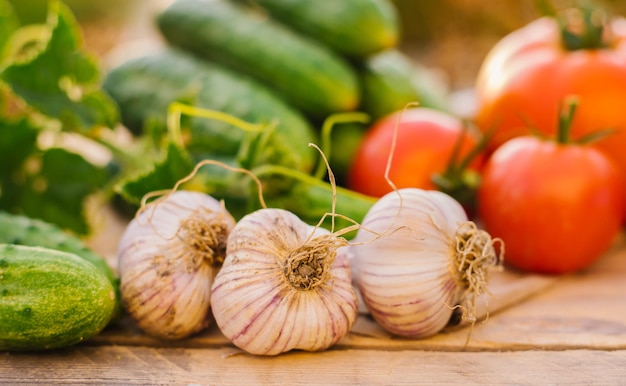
406,277
168,256
268,302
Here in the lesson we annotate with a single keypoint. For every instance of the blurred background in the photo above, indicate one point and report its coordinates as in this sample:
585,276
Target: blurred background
452,36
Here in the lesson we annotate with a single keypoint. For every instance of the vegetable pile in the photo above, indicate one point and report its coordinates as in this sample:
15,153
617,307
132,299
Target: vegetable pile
562,77
269,63
279,163
54,290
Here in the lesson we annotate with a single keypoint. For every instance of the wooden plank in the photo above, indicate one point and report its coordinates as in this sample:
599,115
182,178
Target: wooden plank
84,365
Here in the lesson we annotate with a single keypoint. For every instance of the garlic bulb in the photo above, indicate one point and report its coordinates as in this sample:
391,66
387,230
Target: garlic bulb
416,257
169,255
284,285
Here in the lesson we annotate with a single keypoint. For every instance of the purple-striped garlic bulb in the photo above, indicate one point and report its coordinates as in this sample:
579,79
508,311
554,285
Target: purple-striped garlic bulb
168,256
284,285
416,258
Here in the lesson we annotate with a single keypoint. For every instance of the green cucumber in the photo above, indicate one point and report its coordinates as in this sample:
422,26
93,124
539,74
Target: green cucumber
303,71
144,87
390,80
345,141
355,28
50,299
22,230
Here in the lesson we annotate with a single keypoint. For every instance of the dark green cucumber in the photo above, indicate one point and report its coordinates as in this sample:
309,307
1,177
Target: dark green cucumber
306,73
50,299
390,80
345,141
22,230
144,87
355,28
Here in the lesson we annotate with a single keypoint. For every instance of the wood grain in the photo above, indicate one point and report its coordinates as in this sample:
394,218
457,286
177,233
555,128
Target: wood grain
184,366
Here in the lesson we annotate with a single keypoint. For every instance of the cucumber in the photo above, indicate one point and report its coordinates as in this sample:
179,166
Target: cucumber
50,299
303,71
355,28
22,230
390,80
144,87
345,141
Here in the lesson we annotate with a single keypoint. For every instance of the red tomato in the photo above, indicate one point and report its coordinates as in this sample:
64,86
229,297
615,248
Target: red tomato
529,72
556,207
425,142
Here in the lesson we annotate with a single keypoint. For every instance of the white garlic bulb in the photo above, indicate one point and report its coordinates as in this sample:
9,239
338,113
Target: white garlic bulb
417,258
169,255
284,285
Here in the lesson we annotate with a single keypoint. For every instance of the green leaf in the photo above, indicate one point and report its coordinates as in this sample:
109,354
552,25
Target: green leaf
51,73
57,192
166,173
8,23
18,142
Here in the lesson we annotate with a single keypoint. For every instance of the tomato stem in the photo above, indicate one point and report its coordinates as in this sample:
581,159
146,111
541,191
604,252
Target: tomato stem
568,109
564,128
458,180
582,27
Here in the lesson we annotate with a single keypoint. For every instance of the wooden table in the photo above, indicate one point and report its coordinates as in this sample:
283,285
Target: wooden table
545,330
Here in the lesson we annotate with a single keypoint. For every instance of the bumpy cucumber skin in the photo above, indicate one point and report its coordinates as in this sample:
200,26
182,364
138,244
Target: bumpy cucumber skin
391,80
355,28
50,299
22,230
304,72
144,87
